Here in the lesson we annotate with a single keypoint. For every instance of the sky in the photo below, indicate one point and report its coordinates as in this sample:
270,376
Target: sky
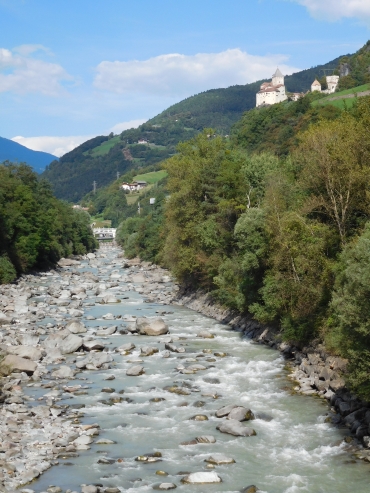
74,69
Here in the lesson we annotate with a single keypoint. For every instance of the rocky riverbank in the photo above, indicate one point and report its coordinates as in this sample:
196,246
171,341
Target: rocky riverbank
44,345
313,369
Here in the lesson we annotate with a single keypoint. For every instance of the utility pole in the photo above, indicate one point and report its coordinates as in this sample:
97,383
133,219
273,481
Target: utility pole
117,175
94,185
138,208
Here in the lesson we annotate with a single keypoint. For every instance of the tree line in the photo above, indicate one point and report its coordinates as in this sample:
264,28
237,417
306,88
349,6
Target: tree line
282,236
36,229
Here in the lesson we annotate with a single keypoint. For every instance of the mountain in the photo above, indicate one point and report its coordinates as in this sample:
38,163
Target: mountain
100,160
14,152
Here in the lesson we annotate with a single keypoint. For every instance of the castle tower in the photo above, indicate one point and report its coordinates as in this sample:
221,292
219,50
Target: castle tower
277,78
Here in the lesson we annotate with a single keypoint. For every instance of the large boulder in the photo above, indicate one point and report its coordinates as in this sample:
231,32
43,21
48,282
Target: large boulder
67,262
151,327
135,371
11,363
76,327
225,410
29,339
27,352
63,340
63,372
241,413
94,344
94,360
233,427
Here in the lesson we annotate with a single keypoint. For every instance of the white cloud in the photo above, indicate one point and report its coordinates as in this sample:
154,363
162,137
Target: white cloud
21,73
336,9
183,75
54,145
120,127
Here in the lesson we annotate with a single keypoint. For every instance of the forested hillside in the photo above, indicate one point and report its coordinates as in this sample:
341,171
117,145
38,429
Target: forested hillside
73,176
282,235
36,229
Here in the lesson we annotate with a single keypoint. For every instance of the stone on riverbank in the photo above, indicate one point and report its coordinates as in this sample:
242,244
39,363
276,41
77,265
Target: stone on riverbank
151,327
63,340
219,459
225,410
12,363
241,413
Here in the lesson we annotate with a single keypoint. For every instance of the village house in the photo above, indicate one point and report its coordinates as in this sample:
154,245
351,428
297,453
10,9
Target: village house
272,92
142,141
134,186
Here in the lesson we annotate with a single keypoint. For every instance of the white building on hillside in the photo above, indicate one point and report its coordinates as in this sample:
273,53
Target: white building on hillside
272,92
331,81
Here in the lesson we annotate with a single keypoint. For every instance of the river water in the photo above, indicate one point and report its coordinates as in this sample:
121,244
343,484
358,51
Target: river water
295,451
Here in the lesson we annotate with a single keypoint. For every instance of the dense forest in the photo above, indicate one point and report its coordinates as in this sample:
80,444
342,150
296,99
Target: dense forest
99,160
282,233
36,229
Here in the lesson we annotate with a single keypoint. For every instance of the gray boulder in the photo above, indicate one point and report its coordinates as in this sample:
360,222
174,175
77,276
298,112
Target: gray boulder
135,371
94,360
27,352
233,427
63,372
241,413
64,341
225,410
12,363
151,327
219,459
148,351
76,327
94,344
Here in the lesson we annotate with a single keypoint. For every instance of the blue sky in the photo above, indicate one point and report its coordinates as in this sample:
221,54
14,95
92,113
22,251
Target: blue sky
73,69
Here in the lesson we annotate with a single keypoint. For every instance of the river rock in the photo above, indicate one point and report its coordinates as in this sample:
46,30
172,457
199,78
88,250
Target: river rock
109,298
206,439
225,410
63,372
12,363
240,413
233,427
63,340
219,459
76,327
29,339
67,262
96,360
148,351
27,352
202,478
151,327
135,371
106,332
164,486
89,489
249,489
126,347
204,334
94,344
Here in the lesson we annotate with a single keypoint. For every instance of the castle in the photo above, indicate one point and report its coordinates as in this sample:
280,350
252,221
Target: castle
331,81
272,92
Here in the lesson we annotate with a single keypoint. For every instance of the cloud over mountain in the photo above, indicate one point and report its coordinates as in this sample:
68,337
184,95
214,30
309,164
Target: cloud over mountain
21,73
184,75
336,9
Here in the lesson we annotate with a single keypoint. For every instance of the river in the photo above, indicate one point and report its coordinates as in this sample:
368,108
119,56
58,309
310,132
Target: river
294,450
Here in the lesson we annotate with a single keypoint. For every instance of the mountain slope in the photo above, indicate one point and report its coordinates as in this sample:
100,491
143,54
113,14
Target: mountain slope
14,152
220,109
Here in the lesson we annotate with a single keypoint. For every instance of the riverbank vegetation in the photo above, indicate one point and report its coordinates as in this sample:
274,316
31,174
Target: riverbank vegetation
36,229
282,235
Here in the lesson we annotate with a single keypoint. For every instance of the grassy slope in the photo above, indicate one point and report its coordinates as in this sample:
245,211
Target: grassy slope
340,101
152,177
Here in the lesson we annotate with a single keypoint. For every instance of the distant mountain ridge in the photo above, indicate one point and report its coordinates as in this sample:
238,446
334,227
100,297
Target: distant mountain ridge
14,152
219,109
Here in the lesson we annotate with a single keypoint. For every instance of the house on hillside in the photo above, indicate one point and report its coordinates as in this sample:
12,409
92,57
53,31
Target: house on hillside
294,96
272,92
315,86
134,186
142,141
